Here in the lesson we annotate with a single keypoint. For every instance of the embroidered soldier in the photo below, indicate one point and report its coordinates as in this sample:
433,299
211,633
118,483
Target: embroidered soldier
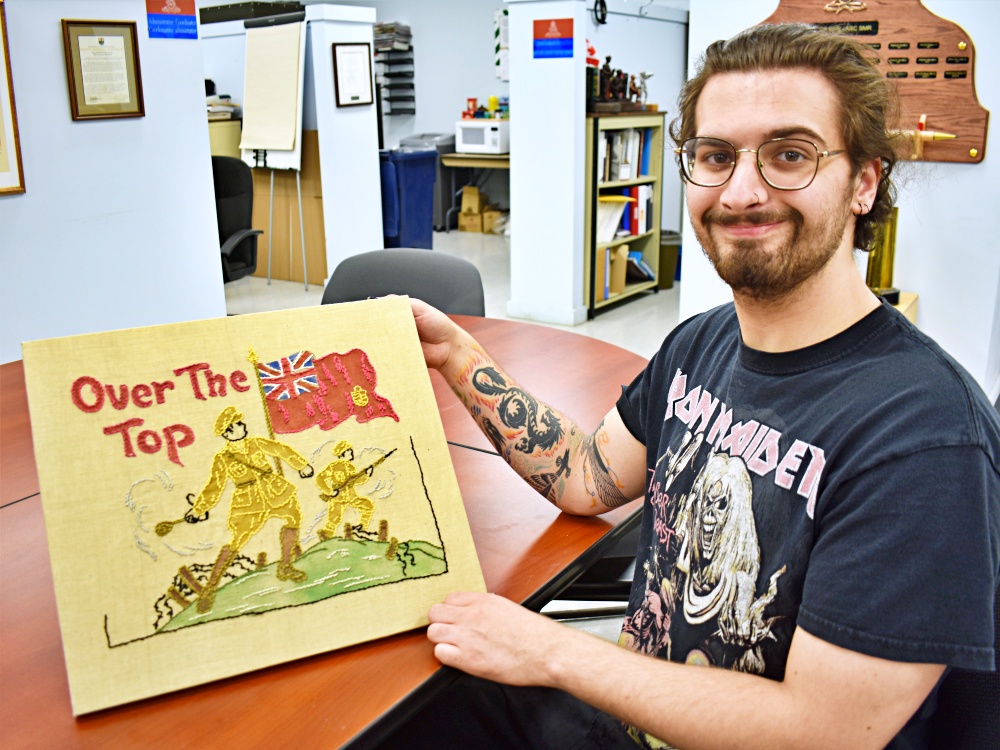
261,494
338,488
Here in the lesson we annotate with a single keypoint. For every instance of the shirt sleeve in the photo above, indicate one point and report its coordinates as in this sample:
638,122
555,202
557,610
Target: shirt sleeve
905,563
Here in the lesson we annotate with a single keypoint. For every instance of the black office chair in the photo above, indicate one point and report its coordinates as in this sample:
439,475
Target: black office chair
968,711
234,209
452,285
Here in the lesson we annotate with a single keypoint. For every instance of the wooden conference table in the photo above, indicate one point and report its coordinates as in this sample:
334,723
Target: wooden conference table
527,549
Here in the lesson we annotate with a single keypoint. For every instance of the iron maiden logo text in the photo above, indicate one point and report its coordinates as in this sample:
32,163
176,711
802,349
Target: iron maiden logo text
756,443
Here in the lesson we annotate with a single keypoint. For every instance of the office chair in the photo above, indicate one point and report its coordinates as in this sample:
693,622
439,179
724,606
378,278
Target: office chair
234,209
968,710
452,285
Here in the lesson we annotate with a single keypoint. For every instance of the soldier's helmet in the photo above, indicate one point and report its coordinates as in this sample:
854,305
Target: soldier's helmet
230,415
341,448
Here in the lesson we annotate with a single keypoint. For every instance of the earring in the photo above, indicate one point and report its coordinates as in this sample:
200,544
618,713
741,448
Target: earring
866,208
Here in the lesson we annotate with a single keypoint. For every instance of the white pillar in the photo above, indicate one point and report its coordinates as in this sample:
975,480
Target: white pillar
548,113
348,138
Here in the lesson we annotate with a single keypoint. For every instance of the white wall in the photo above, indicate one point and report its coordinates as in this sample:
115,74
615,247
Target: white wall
348,136
948,236
117,227
548,115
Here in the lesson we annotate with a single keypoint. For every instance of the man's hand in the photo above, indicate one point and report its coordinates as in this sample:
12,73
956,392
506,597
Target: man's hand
306,472
437,333
492,637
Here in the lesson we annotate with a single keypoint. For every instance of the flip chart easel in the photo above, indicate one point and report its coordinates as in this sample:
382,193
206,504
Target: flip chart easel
272,110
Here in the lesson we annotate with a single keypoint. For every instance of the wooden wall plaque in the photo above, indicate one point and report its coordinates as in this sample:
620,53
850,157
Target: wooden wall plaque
931,60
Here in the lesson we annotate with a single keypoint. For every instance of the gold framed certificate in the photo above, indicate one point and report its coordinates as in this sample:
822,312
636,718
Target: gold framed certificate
102,69
11,173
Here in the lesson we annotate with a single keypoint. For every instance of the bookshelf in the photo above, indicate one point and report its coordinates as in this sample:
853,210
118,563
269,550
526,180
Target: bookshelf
635,139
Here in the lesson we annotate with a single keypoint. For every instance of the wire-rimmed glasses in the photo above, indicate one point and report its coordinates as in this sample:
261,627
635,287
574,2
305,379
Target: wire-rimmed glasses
783,163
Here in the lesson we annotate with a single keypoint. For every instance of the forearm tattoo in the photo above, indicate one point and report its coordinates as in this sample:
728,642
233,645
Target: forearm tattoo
529,436
538,427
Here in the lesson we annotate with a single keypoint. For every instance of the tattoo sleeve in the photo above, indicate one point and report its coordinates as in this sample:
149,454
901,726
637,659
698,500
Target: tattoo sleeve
539,443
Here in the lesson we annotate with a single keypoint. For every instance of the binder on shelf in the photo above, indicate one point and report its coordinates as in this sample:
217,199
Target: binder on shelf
647,142
641,155
637,217
626,169
615,160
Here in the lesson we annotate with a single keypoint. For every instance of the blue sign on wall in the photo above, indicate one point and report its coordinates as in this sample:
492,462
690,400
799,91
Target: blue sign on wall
163,26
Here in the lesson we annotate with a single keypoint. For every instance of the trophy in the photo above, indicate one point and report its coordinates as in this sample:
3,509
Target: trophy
881,259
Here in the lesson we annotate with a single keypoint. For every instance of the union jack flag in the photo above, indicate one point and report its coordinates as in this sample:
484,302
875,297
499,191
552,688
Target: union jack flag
288,377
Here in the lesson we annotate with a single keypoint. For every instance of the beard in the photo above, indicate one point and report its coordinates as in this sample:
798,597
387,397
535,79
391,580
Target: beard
755,270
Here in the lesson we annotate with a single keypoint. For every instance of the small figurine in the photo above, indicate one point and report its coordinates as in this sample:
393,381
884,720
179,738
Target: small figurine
606,77
619,86
634,92
643,77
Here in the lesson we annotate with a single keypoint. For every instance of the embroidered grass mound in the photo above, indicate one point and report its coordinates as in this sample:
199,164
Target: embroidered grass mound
333,567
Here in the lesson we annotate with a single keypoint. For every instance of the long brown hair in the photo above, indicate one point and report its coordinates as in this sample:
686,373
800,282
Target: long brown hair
868,104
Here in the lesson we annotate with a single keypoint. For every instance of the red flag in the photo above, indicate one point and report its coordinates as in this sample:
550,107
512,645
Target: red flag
347,384
307,391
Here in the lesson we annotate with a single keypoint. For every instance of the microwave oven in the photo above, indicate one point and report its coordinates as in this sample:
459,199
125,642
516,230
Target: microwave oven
482,135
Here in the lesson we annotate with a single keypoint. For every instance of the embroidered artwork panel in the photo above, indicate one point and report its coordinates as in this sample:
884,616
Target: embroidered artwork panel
229,494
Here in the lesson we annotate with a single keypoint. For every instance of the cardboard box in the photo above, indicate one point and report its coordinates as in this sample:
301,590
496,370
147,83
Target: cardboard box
490,217
612,262
473,202
619,265
470,222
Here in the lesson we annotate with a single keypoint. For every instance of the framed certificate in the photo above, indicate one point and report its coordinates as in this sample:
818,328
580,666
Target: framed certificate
102,69
11,174
352,74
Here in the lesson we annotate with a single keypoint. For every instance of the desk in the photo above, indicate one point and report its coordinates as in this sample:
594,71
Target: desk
527,549
469,161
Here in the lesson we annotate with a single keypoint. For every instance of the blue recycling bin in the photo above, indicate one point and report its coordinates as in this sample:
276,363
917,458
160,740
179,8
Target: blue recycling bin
390,196
408,197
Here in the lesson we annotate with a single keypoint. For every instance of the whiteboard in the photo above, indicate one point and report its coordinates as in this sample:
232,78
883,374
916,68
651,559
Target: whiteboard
273,92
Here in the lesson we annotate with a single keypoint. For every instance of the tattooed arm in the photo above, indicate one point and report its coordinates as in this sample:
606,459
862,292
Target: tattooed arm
582,473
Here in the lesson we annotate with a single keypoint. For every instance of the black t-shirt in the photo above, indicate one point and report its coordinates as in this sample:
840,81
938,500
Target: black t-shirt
850,488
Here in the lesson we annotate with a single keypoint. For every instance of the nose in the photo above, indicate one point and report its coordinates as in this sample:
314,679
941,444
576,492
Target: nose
746,187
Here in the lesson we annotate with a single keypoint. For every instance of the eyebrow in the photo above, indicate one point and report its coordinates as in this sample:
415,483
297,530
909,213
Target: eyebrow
795,130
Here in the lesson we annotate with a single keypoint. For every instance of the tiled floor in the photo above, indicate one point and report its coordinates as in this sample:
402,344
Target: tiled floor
639,325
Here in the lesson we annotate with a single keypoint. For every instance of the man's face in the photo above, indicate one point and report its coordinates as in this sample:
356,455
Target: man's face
765,242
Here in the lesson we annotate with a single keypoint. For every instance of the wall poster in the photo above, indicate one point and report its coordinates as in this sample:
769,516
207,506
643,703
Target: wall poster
228,494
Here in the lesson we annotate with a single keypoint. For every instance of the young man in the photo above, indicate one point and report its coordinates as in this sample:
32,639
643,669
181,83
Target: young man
821,531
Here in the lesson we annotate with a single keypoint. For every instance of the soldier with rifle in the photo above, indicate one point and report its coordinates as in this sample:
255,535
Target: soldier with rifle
338,488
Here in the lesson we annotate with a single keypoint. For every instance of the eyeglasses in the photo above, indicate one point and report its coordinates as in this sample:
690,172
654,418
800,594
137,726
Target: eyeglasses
784,163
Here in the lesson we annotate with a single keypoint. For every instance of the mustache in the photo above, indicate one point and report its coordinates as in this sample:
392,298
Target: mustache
752,218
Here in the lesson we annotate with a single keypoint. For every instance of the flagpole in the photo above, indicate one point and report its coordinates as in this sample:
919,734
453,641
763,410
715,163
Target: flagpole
263,402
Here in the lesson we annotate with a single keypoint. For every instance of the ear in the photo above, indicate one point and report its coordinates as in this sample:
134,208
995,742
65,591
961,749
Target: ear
867,183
